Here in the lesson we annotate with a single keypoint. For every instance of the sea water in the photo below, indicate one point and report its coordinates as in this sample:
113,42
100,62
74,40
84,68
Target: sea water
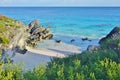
93,22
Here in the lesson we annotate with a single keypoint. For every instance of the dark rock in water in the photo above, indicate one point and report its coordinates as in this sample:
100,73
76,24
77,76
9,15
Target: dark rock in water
84,39
72,40
93,48
90,40
58,41
114,34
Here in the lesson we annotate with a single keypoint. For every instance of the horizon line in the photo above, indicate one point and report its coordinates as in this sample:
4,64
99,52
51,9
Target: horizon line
60,6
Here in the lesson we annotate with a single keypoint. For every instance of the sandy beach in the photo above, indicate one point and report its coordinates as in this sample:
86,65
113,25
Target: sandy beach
36,56
47,49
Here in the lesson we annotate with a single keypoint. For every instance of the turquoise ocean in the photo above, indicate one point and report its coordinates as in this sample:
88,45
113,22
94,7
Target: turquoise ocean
69,22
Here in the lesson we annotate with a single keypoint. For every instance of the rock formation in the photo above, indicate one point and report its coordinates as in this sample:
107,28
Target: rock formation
37,33
93,48
112,40
12,33
114,34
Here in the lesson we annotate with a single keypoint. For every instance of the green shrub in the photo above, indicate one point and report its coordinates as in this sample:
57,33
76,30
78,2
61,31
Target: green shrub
11,72
4,39
38,73
98,65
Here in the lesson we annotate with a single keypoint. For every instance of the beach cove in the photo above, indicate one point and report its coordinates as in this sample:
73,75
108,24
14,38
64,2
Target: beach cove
66,28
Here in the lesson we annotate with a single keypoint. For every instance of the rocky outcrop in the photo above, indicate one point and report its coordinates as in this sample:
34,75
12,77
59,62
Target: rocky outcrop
38,33
15,36
114,34
112,40
93,48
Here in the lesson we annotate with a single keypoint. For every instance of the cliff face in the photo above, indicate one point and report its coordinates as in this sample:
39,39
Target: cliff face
10,32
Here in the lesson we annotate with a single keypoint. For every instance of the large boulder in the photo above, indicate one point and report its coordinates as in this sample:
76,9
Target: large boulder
114,34
93,48
112,41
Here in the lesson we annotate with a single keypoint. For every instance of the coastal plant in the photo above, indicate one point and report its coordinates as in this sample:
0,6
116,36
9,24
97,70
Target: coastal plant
38,73
86,65
100,65
11,72
0,53
4,40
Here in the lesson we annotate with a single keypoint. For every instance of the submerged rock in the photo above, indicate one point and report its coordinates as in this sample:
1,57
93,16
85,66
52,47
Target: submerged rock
84,39
90,40
58,41
72,40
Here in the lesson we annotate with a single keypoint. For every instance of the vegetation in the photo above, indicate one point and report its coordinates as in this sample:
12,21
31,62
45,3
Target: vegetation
8,29
103,64
4,40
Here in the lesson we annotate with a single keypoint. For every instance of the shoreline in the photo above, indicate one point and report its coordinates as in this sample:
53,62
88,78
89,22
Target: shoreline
48,50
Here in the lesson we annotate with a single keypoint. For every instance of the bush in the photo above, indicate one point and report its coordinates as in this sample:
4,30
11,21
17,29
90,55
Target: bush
11,72
4,40
98,65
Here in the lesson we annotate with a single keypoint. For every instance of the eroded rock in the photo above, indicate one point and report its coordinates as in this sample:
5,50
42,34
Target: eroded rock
38,33
92,48
114,34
